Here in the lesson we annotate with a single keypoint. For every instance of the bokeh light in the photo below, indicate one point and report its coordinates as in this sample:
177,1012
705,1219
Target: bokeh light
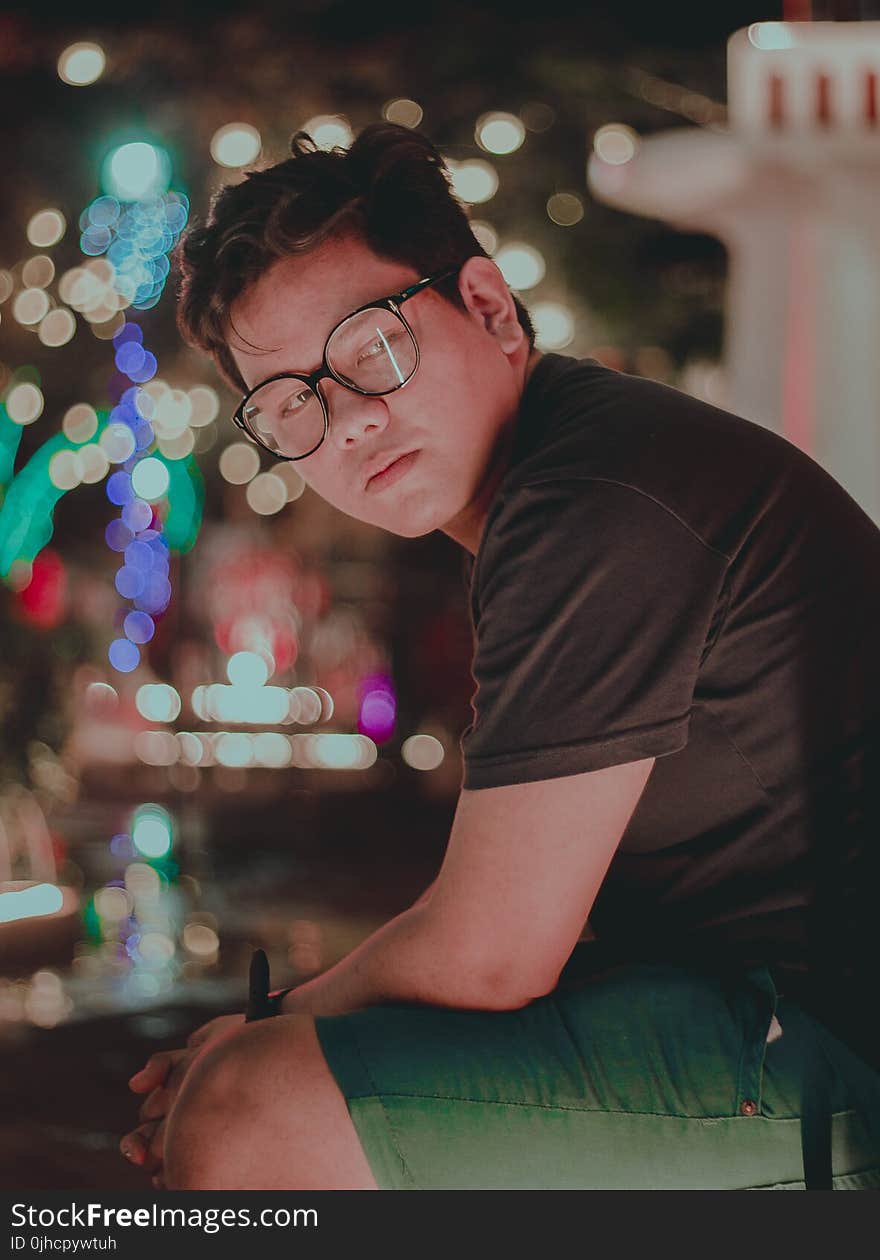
30,306
204,405
330,131
473,181
485,234
27,903
158,702
24,403
156,748
236,145
65,470
239,463
499,132
403,111
46,228
422,752
123,655
521,265
266,494
150,479
201,941
136,171
248,669
615,143
294,484
93,462
118,443
38,272
554,325
272,750
57,328
771,35
139,627
80,423
151,831
565,208
81,64
234,749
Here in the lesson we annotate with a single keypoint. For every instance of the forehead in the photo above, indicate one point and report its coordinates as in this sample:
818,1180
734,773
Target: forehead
281,323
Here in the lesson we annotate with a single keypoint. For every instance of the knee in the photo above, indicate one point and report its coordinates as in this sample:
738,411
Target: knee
213,1130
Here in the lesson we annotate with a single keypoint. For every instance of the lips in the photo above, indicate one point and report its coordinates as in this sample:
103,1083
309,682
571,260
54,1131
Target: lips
377,469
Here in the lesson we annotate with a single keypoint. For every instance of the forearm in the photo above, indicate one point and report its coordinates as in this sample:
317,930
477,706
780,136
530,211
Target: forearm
405,960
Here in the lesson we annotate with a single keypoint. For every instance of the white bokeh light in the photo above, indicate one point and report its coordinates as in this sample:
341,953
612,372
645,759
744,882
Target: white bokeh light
46,228
137,170
150,479
474,180
554,325
247,669
236,145
521,265
422,752
615,143
24,403
80,423
330,131
499,132
239,463
57,328
266,494
81,64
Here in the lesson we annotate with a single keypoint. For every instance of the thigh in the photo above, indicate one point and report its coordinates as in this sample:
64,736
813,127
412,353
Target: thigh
646,1077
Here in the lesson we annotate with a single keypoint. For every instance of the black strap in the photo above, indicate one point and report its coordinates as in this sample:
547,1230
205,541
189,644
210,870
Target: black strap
258,988
816,1115
261,1003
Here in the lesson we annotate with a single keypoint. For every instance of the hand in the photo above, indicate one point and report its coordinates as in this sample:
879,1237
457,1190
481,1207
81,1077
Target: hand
161,1080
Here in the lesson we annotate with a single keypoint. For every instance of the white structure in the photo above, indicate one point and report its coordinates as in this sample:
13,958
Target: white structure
793,191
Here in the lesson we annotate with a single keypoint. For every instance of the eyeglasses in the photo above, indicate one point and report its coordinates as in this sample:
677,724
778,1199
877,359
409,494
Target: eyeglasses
373,351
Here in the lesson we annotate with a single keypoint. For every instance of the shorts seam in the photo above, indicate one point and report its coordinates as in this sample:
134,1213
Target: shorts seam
610,1111
380,1098
616,1111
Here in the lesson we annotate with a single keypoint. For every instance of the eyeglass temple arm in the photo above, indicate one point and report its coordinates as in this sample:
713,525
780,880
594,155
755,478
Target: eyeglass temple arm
423,284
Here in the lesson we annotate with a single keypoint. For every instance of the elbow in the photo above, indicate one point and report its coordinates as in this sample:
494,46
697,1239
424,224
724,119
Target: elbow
509,990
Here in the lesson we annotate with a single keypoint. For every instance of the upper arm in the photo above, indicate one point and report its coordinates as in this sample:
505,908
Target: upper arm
522,868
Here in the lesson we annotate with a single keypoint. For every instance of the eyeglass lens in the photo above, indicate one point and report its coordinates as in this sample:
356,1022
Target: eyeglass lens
373,351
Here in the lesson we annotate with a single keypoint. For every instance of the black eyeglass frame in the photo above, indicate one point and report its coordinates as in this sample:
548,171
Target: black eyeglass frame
311,379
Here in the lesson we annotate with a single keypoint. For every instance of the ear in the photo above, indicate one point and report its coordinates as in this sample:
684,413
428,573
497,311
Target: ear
489,302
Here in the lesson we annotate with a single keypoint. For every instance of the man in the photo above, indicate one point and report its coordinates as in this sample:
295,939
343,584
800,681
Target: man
675,724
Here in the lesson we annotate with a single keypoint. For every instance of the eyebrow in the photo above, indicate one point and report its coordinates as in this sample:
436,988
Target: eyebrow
303,371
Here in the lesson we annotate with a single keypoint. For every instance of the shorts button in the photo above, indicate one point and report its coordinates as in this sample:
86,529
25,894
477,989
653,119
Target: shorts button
748,1107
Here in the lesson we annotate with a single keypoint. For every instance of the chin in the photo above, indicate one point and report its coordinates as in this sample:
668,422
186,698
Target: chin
423,518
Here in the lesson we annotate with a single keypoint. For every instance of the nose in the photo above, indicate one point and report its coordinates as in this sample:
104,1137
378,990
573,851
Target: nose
353,416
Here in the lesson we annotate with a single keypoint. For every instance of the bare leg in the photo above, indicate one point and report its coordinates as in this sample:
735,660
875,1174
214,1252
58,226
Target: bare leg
260,1110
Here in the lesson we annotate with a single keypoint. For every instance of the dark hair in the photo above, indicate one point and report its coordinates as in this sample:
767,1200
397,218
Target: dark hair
391,187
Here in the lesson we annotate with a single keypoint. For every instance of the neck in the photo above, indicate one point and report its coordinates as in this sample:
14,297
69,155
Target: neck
467,528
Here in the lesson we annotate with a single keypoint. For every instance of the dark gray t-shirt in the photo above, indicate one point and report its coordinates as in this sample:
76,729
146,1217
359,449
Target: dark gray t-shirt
660,578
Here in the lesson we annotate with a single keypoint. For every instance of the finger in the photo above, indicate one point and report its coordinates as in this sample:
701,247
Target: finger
157,1067
155,1160
156,1105
135,1146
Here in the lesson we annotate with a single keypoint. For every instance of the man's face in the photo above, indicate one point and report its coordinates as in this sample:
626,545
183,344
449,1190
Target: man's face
449,419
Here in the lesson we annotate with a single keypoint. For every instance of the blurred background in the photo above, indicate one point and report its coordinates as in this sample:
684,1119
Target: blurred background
230,715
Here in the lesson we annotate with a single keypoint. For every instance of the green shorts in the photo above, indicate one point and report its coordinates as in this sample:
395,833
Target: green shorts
647,1076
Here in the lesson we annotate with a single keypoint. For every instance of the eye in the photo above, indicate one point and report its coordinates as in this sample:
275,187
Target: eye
296,401
380,347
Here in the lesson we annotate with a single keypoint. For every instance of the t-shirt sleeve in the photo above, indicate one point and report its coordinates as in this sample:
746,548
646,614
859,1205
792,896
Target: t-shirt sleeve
592,607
